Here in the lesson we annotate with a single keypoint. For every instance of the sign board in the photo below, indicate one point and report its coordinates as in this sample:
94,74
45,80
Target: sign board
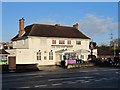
71,61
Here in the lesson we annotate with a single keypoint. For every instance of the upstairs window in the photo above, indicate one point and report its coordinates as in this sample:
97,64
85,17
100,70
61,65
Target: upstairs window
53,41
69,42
78,42
61,42
51,55
39,55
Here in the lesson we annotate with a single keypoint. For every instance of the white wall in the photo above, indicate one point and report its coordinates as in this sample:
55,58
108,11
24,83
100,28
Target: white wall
21,44
44,44
25,56
26,52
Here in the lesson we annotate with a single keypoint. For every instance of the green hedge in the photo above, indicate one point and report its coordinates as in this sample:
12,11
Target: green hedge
1,62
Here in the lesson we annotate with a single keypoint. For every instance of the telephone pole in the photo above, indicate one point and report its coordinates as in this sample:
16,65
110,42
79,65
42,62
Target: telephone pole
112,43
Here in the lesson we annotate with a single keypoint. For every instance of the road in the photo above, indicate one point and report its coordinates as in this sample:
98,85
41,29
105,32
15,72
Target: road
93,77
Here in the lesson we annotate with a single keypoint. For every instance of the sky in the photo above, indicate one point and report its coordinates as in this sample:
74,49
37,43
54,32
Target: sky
96,19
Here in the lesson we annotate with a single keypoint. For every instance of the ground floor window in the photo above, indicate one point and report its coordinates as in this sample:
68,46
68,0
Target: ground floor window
69,56
45,57
39,55
51,55
82,56
3,59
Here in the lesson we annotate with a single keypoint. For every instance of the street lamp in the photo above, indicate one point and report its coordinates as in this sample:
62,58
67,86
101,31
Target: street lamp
91,47
114,48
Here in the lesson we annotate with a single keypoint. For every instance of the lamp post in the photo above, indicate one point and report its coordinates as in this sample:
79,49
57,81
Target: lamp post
91,48
114,48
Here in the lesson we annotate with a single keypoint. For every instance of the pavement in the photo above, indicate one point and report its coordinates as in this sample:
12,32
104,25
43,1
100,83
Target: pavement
85,78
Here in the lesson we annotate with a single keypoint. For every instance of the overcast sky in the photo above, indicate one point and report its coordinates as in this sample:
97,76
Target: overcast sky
96,19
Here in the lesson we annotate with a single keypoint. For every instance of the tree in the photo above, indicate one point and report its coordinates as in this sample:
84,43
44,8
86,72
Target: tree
92,45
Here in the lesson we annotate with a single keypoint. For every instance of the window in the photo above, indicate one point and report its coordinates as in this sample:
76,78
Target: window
3,58
61,42
45,58
82,56
53,41
39,55
69,42
78,42
51,55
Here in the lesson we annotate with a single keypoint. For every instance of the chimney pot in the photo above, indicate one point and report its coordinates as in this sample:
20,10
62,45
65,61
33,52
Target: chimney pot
76,26
57,24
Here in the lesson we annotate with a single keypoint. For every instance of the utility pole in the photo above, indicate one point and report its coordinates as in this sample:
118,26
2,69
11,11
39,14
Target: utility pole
113,43
111,39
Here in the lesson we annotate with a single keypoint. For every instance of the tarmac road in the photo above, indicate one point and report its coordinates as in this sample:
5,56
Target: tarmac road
92,77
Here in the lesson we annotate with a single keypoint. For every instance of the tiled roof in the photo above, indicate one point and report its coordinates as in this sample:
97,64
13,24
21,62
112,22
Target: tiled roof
42,30
105,52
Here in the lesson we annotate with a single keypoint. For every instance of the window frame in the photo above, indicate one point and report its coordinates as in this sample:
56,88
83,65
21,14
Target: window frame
69,42
39,55
61,41
53,41
51,55
78,42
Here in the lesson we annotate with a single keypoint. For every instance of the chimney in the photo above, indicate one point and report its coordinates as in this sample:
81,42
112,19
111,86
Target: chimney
21,27
57,24
76,26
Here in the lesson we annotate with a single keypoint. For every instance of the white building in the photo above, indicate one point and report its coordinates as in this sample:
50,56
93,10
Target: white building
47,44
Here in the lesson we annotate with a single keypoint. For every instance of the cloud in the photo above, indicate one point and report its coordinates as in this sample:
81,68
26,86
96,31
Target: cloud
94,25
49,21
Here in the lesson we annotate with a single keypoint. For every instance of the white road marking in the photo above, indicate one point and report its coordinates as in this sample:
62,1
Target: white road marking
84,81
91,79
80,80
22,78
44,85
31,74
103,69
77,81
103,79
117,72
20,75
98,80
96,73
72,82
57,79
83,71
56,84
24,87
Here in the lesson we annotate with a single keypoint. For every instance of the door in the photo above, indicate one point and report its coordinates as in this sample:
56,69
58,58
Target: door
58,59
12,63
